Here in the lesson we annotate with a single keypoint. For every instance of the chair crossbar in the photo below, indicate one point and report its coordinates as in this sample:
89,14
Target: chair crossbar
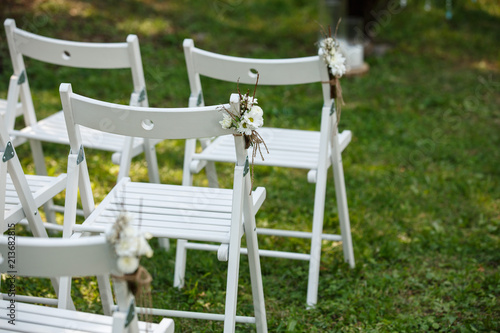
196,315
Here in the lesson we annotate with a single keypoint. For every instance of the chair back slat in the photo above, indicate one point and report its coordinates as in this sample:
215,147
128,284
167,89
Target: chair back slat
54,257
68,53
153,123
271,71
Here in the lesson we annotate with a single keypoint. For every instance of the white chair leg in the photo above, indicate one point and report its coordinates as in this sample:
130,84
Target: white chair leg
213,179
106,294
164,243
41,169
345,226
63,290
255,271
180,264
232,286
317,230
152,161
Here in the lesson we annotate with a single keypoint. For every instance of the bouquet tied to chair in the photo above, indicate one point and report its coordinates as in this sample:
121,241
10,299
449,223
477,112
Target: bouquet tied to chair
129,245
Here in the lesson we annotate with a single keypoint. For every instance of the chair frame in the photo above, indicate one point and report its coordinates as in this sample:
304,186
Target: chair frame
21,195
54,258
328,143
80,55
198,214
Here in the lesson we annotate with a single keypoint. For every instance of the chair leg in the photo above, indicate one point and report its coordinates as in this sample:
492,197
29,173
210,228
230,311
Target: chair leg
41,169
345,226
255,272
317,230
106,294
180,263
63,290
233,268
150,152
211,171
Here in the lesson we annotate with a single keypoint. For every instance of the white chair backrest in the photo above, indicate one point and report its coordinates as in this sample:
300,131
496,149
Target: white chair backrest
55,257
73,54
151,123
289,71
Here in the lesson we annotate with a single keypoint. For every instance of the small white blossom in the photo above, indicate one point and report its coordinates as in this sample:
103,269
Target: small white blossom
332,56
144,248
244,128
254,118
128,264
128,243
226,122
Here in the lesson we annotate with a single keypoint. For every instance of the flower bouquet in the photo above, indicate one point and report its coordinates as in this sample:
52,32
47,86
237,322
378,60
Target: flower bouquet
335,60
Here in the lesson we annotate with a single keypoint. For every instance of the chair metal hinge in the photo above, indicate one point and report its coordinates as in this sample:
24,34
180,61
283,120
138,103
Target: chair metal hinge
8,152
246,168
200,99
130,313
332,108
81,156
22,78
142,96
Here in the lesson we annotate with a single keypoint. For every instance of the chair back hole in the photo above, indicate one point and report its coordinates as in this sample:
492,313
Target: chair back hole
253,73
66,55
147,124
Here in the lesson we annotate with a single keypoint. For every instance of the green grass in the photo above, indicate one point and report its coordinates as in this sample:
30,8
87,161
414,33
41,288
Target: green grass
422,174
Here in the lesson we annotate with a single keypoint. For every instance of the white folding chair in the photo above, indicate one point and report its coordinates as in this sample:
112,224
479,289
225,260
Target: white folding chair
88,256
182,212
289,148
81,55
21,195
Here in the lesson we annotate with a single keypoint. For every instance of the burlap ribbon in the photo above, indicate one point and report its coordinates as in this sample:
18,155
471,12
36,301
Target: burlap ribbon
139,284
336,94
254,140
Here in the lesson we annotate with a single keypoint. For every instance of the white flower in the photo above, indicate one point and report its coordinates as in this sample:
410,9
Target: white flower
127,246
332,56
337,64
250,101
226,122
244,128
144,248
128,264
254,118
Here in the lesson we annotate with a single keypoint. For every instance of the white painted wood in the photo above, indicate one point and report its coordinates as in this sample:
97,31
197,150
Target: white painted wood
315,151
82,55
169,211
55,257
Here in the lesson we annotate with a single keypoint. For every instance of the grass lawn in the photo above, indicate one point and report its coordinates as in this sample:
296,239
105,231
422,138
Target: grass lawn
422,172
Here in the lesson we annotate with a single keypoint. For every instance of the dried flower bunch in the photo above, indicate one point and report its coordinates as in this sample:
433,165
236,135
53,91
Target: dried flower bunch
336,62
246,122
332,56
129,243
249,118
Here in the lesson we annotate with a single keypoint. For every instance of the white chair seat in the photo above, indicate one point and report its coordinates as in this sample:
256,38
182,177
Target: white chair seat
43,188
171,211
42,319
53,129
287,148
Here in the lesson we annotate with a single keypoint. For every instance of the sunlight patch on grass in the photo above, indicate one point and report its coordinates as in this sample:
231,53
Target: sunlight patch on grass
147,27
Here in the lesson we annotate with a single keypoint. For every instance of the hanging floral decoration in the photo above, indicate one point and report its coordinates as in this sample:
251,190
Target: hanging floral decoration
336,62
129,245
246,122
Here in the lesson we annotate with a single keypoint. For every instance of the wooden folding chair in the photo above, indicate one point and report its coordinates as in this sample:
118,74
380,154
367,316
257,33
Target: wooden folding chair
21,195
88,256
181,212
81,55
289,148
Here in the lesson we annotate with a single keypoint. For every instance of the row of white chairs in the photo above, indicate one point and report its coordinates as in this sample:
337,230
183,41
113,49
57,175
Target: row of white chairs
193,215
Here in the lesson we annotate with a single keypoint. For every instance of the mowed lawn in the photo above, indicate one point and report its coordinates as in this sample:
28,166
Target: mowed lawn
422,171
